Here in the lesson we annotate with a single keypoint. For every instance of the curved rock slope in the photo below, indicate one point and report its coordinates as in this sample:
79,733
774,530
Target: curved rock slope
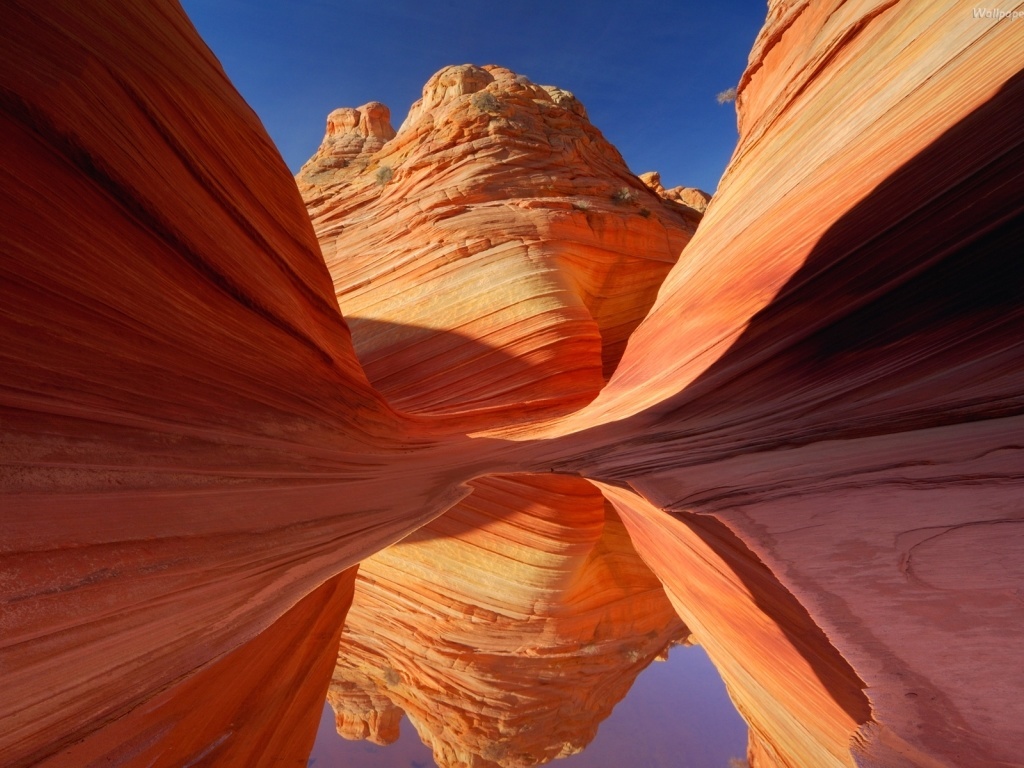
834,366
832,371
188,446
802,700
856,249
495,253
258,705
506,629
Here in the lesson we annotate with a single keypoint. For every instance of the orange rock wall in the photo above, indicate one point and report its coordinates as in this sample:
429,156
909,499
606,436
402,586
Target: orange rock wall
179,397
495,254
257,706
802,700
832,370
847,112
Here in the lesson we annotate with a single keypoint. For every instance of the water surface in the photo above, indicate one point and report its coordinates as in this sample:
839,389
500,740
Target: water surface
677,715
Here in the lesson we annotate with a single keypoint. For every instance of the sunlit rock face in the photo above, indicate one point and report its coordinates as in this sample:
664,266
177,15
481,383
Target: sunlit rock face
494,255
258,705
506,629
691,197
353,132
802,700
826,391
834,369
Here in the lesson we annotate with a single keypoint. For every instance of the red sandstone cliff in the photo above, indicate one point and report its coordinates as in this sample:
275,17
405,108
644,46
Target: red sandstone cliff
493,255
834,369
179,398
823,404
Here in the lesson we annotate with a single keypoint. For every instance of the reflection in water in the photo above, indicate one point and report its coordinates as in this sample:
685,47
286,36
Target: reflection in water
333,751
676,713
506,630
802,700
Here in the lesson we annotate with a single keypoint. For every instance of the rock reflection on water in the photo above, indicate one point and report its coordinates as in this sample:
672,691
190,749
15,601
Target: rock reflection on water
677,713
506,630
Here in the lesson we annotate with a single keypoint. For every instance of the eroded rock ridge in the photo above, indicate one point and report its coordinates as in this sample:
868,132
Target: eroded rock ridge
819,409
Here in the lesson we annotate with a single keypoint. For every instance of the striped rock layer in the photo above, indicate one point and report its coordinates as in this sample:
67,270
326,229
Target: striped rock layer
180,402
506,629
493,255
833,369
820,411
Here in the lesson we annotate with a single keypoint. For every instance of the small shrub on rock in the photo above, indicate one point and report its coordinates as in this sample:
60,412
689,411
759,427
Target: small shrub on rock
624,196
486,101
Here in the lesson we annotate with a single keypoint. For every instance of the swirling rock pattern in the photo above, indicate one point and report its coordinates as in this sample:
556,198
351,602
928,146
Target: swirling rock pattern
493,256
834,366
211,719
179,397
831,373
803,702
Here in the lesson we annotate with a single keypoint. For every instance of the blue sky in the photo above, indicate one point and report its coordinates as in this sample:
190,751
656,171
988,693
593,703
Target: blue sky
646,70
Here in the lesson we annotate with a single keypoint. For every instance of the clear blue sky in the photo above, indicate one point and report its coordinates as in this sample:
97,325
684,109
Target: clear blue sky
646,70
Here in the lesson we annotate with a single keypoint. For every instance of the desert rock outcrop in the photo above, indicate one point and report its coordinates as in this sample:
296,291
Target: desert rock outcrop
493,257
825,394
834,369
354,132
180,402
691,197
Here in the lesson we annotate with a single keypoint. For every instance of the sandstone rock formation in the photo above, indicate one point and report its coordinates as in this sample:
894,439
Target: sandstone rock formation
833,369
506,629
691,197
493,257
824,402
802,700
180,400
354,132
257,705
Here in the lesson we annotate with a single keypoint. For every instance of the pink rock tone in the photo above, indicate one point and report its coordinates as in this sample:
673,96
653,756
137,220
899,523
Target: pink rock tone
834,369
802,700
819,409
494,256
506,629
691,197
